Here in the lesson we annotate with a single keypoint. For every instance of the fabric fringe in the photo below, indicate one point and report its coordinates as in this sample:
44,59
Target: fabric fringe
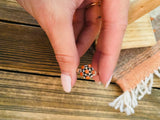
129,99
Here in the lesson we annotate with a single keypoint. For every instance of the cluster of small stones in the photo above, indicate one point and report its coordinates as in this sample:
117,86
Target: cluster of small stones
87,71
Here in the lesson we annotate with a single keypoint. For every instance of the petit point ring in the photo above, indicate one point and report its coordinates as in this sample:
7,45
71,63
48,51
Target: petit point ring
87,71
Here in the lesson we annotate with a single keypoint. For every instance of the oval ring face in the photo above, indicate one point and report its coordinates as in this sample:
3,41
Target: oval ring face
87,71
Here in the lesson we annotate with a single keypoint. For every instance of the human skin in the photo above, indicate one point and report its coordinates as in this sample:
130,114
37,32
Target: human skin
71,29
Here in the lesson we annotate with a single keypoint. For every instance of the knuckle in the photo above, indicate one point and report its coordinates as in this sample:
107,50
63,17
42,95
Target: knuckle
64,59
106,53
108,25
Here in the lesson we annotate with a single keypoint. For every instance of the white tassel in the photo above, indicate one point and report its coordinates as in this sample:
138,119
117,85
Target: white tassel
129,99
157,72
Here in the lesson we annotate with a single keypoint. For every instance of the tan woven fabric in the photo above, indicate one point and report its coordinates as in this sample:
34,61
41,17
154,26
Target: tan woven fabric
138,68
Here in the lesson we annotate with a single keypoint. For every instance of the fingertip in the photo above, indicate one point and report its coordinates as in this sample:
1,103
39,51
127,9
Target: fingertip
98,83
108,82
106,67
96,78
68,66
66,82
74,79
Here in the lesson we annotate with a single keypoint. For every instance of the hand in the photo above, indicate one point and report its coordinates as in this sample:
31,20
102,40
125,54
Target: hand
71,29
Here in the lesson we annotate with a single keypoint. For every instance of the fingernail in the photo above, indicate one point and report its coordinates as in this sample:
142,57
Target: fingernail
108,82
66,82
98,82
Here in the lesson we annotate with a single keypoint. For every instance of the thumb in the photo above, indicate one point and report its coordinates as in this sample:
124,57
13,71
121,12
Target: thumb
55,17
61,36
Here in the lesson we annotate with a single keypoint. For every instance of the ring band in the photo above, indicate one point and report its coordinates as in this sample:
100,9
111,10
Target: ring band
93,4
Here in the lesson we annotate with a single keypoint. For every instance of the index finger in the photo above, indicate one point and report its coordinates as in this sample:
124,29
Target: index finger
114,22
